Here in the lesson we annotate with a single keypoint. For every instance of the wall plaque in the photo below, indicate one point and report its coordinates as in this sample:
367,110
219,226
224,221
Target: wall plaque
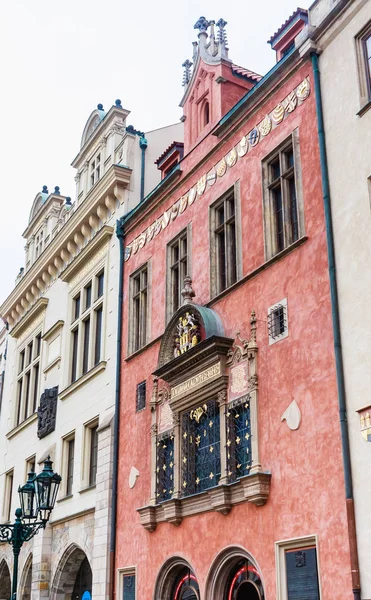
47,412
238,381
301,573
196,381
165,417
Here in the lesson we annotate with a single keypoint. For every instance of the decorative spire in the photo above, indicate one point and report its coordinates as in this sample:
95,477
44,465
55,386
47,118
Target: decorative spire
188,292
202,24
195,51
187,72
222,35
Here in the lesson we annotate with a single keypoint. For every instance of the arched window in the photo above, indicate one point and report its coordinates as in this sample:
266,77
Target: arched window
185,586
206,113
244,583
234,575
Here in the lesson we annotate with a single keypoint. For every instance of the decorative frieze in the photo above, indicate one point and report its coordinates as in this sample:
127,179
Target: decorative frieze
249,140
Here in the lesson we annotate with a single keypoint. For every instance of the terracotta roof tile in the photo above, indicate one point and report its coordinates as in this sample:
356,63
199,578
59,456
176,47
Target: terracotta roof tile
165,152
280,29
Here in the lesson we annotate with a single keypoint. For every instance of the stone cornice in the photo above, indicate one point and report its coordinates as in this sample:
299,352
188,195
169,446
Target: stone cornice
30,315
78,232
81,259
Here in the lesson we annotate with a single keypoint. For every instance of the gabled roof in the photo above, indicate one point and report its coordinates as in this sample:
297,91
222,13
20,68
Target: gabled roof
296,13
173,146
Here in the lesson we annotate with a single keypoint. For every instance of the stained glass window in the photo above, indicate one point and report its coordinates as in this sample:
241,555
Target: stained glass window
165,467
238,438
200,440
185,586
244,582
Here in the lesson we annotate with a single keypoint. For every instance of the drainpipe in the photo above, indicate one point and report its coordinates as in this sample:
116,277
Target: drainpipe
337,337
143,145
116,426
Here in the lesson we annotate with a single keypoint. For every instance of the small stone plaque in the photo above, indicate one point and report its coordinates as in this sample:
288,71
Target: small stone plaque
238,381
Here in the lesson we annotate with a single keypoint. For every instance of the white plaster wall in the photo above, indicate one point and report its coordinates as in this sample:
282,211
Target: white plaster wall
348,138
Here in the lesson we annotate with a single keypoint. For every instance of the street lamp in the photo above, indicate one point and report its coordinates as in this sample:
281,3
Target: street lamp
37,497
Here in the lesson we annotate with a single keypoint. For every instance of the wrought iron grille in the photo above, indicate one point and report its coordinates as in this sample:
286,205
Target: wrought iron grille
238,438
277,321
200,448
165,466
141,395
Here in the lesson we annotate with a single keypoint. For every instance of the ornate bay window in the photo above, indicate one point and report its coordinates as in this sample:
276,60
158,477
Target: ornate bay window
204,432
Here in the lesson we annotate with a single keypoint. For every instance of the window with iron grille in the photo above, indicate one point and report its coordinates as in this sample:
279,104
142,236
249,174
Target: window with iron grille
282,197
223,243
141,395
178,268
164,466
200,442
238,438
139,309
277,321
128,587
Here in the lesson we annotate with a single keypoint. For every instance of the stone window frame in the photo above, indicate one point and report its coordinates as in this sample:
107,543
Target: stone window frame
87,314
214,261
121,574
132,348
187,233
8,493
364,75
86,453
274,339
64,462
253,487
95,169
25,368
30,462
308,541
270,242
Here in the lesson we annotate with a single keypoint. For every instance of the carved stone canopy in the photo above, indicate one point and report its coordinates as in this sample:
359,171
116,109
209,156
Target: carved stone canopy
190,325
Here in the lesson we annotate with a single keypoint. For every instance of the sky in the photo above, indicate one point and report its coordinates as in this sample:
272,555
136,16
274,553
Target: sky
60,59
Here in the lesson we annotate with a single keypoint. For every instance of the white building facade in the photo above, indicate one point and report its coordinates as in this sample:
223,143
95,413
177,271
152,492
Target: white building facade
342,34
60,378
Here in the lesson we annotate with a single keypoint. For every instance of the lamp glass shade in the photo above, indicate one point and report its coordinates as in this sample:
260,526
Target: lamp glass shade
47,484
27,497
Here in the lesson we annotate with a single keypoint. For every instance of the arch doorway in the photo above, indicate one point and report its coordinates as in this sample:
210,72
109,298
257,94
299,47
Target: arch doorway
5,581
177,581
234,575
24,590
73,578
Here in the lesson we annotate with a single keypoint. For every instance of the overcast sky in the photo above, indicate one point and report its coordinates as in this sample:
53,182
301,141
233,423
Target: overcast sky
60,59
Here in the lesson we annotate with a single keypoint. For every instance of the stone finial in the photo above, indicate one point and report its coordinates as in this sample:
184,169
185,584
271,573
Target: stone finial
68,201
187,72
202,24
57,190
118,103
100,107
222,34
188,292
45,189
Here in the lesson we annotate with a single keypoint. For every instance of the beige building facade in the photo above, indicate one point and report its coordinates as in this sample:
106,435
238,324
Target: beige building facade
60,378
342,33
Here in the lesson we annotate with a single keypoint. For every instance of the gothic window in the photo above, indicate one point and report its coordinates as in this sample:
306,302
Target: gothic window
200,460
282,198
206,115
164,466
238,438
139,300
28,379
86,327
178,268
223,239
185,586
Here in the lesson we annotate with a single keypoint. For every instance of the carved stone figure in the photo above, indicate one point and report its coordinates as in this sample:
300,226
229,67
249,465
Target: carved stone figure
47,412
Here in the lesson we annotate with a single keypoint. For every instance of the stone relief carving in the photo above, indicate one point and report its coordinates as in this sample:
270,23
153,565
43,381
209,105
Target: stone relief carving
47,412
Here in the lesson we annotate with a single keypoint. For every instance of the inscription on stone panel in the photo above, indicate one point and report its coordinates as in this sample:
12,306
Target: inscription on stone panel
196,381
165,417
239,381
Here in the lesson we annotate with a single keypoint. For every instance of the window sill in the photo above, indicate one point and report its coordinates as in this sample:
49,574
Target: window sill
22,425
82,380
253,488
86,489
364,109
258,270
65,498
